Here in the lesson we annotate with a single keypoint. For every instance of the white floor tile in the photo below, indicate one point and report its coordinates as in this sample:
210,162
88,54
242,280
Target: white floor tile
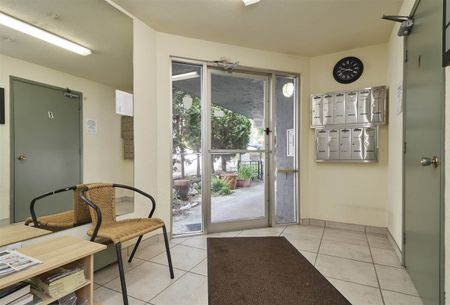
191,289
347,270
150,251
147,281
303,242
346,250
345,236
314,231
111,272
310,256
183,257
201,268
358,294
394,298
379,241
395,279
196,242
107,296
273,231
385,257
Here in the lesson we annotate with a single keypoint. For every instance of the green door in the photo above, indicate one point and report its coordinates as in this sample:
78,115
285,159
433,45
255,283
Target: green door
424,130
47,146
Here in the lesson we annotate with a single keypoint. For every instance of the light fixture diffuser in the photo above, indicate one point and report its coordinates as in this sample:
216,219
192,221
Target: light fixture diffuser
250,2
36,32
185,76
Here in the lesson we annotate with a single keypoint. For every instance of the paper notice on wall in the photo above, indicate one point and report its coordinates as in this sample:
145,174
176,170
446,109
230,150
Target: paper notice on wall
290,142
91,126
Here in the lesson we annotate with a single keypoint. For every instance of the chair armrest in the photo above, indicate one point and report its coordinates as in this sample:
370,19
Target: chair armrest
142,193
34,200
97,211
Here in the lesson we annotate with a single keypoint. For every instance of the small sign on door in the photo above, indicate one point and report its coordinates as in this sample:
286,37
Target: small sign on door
290,142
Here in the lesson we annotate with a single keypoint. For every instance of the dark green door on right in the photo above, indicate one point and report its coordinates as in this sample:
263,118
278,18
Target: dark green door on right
424,153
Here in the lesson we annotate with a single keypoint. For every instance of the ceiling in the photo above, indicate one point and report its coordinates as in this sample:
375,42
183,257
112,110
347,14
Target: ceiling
92,23
302,27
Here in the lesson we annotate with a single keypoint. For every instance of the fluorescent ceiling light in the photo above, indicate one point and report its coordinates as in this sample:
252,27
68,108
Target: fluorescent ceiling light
31,30
250,2
184,76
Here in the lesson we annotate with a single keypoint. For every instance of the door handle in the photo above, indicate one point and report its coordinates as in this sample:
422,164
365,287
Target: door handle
286,170
21,157
425,161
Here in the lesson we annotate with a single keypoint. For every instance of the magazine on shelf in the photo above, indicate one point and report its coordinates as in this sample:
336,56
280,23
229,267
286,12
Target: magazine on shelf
12,261
11,293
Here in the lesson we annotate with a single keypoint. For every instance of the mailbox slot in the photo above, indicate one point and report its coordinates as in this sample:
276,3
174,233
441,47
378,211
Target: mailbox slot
364,106
323,152
351,107
316,110
339,108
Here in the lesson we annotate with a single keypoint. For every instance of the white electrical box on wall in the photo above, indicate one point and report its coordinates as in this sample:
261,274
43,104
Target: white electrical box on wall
124,103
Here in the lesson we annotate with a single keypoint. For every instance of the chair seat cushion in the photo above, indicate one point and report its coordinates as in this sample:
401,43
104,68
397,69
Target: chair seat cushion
61,220
121,231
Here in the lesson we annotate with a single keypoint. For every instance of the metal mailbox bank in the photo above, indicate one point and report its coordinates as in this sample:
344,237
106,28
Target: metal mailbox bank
346,124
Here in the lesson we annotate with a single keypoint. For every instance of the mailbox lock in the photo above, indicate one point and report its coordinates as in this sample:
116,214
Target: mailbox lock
425,161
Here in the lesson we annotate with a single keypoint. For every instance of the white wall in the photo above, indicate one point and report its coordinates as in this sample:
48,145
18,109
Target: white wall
153,119
394,181
153,173
351,193
145,114
102,153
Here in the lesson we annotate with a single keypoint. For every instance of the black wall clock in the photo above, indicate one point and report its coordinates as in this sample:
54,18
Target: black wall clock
348,70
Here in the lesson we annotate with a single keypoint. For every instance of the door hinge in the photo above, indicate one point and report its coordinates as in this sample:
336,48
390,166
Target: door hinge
404,238
406,55
267,131
404,147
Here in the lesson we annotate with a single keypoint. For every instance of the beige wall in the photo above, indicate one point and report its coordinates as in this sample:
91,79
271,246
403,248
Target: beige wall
152,120
394,181
356,202
102,153
145,116
351,193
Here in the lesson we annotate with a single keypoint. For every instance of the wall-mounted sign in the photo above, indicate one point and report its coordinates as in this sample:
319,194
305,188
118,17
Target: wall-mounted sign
91,126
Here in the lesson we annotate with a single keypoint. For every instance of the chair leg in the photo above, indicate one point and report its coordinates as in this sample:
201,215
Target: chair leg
135,249
121,273
169,258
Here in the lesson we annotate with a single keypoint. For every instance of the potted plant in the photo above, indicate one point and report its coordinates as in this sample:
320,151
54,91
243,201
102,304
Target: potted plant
230,178
182,187
245,175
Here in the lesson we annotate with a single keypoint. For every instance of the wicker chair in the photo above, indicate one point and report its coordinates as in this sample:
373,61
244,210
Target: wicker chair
106,229
79,215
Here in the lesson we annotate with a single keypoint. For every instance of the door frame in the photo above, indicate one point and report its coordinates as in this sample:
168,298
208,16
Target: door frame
441,169
12,142
272,73
238,224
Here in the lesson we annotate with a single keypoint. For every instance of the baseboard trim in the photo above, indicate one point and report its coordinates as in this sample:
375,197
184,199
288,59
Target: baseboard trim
354,227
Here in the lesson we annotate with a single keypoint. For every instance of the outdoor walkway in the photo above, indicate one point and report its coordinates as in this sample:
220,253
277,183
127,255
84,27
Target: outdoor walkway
243,203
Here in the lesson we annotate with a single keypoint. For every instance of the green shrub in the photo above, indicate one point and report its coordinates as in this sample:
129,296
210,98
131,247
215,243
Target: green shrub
220,187
247,172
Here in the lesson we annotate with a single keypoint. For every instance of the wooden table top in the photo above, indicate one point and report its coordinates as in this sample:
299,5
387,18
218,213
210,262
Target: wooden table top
15,233
53,254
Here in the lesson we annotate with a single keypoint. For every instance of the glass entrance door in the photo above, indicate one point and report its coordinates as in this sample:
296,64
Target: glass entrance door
238,145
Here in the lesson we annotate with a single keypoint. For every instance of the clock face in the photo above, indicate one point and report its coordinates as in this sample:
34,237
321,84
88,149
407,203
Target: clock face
348,70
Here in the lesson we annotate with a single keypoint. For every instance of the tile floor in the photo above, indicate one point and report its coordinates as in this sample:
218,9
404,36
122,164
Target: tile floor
362,266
